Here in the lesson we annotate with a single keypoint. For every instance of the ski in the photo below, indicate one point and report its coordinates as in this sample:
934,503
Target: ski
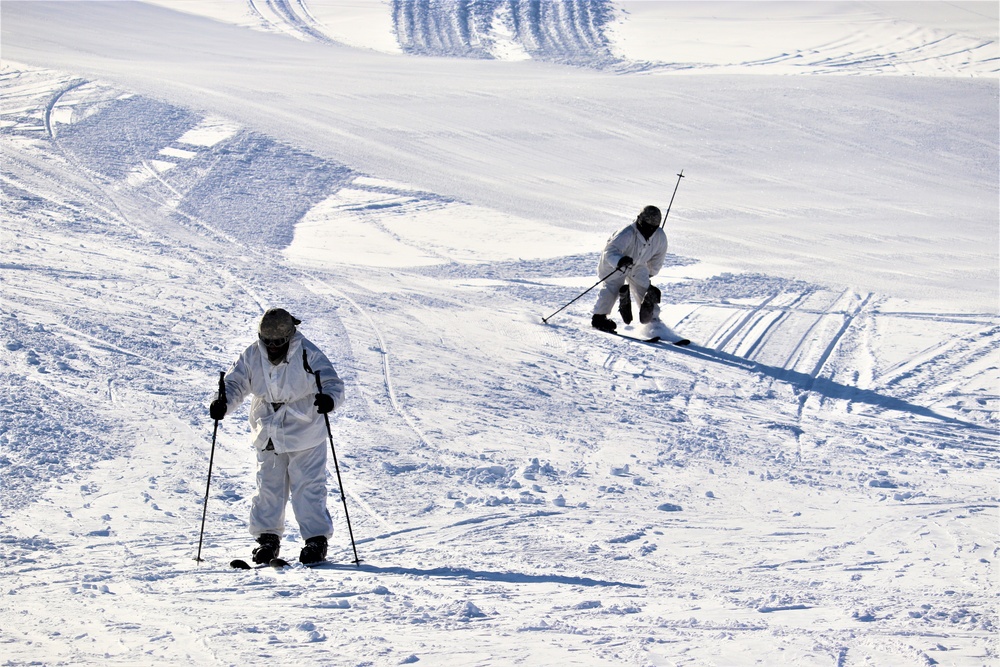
276,563
637,339
311,566
655,340
240,564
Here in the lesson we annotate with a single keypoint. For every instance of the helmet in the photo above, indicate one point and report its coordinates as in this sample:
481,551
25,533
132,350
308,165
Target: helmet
650,217
276,327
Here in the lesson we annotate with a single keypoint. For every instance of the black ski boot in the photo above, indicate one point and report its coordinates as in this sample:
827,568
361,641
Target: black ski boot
602,323
314,551
270,545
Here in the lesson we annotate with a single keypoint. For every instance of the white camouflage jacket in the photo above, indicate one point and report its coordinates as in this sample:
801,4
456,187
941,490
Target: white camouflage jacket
282,409
648,256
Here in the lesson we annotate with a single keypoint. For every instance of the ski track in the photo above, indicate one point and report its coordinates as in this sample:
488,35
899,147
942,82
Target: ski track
820,583
570,32
296,16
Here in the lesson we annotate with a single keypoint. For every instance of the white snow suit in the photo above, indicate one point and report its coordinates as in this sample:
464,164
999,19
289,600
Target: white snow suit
288,433
647,255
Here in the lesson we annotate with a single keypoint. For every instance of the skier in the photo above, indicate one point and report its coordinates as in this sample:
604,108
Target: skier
631,257
288,430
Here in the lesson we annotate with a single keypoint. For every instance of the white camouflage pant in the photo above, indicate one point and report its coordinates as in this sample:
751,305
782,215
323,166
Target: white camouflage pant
638,282
299,475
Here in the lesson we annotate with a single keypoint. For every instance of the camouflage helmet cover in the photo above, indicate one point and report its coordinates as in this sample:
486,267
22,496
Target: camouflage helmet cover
650,216
277,323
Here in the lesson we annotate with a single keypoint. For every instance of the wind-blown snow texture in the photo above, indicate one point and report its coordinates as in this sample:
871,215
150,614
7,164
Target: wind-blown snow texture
813,482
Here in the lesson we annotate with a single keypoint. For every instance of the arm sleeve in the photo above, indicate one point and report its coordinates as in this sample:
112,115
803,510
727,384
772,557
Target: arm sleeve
332,385
617,246
656,261
237,383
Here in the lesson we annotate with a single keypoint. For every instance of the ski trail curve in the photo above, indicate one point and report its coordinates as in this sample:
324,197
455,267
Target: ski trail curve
47,115
322,288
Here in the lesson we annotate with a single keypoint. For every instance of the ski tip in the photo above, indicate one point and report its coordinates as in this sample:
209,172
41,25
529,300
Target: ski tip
278,562
682,342
239,564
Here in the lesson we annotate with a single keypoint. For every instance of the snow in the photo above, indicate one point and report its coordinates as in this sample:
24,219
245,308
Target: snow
923,38
812,482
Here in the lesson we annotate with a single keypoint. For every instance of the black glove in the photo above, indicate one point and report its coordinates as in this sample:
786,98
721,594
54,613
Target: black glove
625,262
217,409
323,403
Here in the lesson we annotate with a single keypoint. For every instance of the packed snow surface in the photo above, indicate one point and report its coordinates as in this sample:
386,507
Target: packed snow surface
812,482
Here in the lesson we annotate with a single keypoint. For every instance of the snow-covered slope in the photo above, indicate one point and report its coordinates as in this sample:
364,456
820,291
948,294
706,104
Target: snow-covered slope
812,483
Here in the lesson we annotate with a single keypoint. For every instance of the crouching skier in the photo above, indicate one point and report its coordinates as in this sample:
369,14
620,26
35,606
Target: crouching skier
288,430
630,258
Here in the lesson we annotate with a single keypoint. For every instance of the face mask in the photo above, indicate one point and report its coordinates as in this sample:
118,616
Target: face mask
276,353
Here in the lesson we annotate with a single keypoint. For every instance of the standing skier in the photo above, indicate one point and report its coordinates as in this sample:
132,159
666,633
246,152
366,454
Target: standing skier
287,426
631,257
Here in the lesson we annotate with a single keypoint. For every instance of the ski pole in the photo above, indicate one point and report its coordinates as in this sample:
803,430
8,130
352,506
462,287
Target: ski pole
211,460
546,319
336,466
679,177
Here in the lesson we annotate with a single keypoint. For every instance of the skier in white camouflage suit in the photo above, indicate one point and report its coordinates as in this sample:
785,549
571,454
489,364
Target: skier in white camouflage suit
288,430
631,257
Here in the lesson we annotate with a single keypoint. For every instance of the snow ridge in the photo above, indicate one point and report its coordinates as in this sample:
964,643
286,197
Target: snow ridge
570,32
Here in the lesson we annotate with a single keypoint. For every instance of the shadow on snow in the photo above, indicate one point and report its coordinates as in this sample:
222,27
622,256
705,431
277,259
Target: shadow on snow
483,575
823,386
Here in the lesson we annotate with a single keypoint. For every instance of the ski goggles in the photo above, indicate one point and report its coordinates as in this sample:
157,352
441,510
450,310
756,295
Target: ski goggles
273,342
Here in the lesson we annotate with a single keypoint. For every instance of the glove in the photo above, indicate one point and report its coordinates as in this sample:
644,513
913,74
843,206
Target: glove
323,403
218,408
625,262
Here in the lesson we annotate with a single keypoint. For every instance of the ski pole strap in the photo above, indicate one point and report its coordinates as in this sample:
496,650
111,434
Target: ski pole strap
305,364
222,385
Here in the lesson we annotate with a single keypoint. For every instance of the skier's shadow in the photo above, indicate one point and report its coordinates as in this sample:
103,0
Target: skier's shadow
483,575
820,385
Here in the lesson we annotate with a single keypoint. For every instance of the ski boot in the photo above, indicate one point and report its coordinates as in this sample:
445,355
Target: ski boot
314,551
270,545
602,323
